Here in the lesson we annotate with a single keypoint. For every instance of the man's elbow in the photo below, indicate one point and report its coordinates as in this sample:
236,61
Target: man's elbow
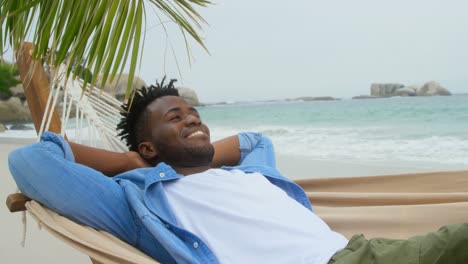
28,163
17,163
16,160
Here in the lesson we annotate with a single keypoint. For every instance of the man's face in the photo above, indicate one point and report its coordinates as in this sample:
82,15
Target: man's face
177,133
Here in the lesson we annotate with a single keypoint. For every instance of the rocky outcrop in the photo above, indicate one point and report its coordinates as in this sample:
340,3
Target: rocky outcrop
432,88
2,128
397,89
118,87
318,98
20,127
365,97
13,110
405,91
385,89
18,91
189,95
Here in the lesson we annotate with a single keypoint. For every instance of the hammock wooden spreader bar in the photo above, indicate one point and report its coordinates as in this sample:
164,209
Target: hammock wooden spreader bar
36,87
36,90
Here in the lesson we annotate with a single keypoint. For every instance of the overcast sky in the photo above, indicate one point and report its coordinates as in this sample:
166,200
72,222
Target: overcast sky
283,49
264,49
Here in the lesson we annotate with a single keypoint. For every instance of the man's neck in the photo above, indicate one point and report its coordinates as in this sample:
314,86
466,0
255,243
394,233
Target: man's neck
190,170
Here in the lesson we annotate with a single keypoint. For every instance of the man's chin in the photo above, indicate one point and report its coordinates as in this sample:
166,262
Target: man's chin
193,156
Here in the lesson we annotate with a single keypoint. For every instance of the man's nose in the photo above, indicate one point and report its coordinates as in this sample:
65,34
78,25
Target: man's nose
192,120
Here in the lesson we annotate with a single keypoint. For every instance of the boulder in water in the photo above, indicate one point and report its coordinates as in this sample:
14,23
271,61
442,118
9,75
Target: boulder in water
318,98
432,88
365,97
405,91
385,89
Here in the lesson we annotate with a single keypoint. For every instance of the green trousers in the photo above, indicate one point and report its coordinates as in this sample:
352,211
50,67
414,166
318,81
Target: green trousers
449,245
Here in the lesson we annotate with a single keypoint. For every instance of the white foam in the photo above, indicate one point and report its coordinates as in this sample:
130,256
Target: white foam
350,144
361,144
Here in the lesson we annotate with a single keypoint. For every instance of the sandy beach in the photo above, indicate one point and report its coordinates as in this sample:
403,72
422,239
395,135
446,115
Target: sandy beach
300,167
42,247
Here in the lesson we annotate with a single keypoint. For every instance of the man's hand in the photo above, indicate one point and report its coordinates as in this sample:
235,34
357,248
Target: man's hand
135,160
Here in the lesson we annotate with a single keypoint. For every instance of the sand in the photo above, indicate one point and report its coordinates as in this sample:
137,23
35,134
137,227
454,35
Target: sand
300,167
42,247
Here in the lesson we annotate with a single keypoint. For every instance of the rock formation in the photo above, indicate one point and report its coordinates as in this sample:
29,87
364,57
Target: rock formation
13,110
385,89
432,88
365,97
118,87
318,98
189,95
396,89
405,91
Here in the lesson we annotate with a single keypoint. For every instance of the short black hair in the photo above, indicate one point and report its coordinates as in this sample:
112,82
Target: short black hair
132,123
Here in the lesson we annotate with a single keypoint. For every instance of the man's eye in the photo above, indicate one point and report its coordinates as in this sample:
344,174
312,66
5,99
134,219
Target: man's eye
174,118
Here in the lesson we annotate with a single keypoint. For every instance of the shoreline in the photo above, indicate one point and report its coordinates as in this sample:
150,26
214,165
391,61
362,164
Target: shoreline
301,167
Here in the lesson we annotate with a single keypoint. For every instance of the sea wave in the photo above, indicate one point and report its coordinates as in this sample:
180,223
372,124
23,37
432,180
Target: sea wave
375,144
352,144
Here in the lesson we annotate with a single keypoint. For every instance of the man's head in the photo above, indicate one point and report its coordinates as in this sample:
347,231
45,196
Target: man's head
161,126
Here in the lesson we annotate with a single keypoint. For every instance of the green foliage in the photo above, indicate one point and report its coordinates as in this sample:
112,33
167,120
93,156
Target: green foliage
102,34
7,78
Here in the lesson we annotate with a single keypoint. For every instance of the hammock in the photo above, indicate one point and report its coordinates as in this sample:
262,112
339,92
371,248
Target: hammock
393,206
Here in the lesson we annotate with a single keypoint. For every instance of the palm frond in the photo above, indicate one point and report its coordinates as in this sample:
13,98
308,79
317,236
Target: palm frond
101,35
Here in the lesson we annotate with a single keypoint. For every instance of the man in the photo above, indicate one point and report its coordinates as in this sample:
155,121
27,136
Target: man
171,199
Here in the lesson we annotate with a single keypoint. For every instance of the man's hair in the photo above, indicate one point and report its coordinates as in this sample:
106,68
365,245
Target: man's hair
132,123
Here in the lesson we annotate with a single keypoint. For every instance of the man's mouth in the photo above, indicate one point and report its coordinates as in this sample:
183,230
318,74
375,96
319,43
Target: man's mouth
196,134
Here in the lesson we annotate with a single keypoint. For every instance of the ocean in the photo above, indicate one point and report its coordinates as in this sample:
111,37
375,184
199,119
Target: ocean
430,133
422,132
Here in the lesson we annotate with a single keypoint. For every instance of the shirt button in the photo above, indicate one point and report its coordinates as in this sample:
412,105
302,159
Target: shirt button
161,174
195,244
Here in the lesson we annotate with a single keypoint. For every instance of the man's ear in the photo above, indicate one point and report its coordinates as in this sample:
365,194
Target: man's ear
147,150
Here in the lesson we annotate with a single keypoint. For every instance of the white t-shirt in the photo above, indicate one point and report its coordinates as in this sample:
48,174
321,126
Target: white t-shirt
243,218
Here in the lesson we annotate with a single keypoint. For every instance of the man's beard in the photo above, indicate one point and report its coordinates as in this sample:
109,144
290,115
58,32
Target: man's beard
187,156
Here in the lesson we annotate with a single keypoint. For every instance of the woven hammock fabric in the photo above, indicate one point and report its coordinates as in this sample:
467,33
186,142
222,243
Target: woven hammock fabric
397,206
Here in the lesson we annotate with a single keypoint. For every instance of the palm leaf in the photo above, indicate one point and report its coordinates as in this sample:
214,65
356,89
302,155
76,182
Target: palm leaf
101,35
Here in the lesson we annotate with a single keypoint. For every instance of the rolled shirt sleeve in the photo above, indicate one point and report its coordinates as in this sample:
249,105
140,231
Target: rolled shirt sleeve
46,172
256,149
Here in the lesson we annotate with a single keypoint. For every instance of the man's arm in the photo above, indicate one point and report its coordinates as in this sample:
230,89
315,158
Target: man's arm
245,148
227,152
47,172
108,162
111,163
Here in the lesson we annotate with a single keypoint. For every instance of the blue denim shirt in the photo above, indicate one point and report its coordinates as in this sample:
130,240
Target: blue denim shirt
133,205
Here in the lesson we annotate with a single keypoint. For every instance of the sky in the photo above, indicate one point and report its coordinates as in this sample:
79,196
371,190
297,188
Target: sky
267,50
263,50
